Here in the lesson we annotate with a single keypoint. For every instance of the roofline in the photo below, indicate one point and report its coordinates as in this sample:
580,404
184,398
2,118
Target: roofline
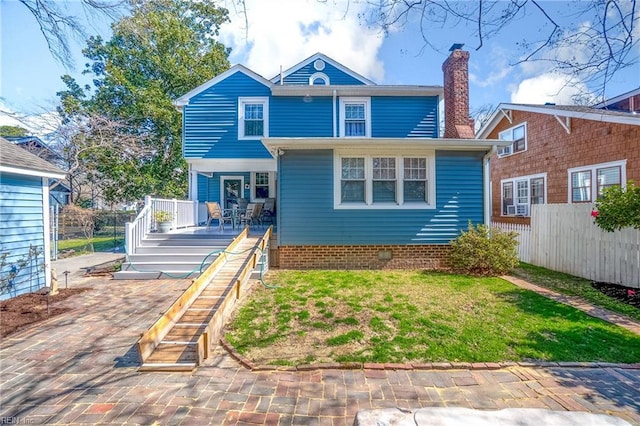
29,172
318,55
618,98
184,99
595,115
356,90
482,145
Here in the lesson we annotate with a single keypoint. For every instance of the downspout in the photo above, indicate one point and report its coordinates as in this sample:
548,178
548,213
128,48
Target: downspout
335,130
486,168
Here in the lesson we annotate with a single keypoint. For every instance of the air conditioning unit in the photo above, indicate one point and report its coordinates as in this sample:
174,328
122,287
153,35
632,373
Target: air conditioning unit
511,210
522,210
505,150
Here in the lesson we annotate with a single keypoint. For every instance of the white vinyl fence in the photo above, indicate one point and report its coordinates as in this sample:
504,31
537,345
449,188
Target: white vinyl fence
524,238
564,238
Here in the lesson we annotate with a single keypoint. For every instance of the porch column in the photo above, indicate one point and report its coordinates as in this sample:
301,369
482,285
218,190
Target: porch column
193,184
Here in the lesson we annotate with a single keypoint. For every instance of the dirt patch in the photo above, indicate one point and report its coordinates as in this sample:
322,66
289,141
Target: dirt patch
628,295
29,308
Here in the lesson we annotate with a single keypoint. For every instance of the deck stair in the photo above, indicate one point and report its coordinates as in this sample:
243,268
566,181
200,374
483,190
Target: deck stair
182,337
172,256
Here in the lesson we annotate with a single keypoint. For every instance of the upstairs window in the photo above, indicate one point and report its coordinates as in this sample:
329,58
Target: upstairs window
586,184
319,79
355,118
517,134
253,118
518,194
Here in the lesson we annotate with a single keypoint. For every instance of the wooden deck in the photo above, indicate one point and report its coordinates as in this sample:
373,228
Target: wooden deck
182,337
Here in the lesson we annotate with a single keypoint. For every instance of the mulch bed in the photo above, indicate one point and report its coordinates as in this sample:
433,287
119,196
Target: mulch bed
628,295
20,311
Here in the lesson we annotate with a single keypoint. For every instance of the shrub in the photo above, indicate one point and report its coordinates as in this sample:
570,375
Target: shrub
619,208
484,251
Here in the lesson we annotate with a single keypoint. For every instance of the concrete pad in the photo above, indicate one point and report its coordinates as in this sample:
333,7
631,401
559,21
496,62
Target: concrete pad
458,416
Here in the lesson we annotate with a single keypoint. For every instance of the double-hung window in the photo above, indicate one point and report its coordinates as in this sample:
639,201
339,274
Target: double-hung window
355,117
517,134
384,180
586,184
253,118
518,194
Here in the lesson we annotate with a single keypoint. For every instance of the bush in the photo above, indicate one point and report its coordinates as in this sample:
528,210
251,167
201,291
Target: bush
484,251
619,208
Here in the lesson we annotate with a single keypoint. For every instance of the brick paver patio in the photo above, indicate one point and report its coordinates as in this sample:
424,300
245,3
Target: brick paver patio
81,367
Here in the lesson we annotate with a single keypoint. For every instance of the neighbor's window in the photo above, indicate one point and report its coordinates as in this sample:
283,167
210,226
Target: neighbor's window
528,190
385,181
355,118
252,118
517,134
586,184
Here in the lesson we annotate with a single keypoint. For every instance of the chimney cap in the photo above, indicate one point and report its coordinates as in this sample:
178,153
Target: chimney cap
456,46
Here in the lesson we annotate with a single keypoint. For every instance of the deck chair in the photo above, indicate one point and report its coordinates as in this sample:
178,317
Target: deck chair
251,214
215,213
268,211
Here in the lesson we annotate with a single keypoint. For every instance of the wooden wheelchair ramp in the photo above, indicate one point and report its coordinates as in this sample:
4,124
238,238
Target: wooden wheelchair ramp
182,337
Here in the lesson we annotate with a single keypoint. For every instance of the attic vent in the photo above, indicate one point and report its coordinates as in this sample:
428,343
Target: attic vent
318,65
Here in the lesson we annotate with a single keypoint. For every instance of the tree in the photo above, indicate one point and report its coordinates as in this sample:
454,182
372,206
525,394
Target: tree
58,25
590,41
163,50
618,208
12,131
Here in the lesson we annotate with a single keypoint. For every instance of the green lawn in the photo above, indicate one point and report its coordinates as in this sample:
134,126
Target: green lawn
91,245
573,286
399,316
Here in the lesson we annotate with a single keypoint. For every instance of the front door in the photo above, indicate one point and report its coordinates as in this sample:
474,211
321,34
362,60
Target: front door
232,190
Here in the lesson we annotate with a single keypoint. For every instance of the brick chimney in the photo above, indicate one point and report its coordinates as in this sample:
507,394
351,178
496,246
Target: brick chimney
457,123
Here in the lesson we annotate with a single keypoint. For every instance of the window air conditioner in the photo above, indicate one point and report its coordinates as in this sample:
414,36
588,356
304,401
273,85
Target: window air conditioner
505,150
522,210
511,210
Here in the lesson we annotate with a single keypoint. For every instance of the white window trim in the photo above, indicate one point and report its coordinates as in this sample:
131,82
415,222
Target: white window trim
510,129
593,169
264,100
367,117
368,173
272,186
514,181
321,76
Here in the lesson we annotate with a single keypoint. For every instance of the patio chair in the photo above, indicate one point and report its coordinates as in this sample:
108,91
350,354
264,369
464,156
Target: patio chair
268,211
215,212
251,214
242,203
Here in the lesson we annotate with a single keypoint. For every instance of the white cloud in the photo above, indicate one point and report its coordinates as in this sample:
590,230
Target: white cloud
553,88
284,32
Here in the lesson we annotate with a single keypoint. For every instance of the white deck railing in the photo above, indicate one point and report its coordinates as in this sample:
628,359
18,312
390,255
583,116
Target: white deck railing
184,213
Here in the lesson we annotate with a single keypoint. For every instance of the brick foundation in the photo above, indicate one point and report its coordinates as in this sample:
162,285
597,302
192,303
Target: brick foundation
364,257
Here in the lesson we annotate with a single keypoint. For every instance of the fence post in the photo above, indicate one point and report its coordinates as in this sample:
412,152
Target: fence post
174,214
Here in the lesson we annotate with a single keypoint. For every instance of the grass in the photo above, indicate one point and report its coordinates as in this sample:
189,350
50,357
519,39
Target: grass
400,316
90,245
573,286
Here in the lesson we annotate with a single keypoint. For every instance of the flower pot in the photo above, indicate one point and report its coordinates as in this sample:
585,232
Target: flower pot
164,227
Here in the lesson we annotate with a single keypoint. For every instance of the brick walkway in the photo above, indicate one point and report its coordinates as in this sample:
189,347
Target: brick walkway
81,367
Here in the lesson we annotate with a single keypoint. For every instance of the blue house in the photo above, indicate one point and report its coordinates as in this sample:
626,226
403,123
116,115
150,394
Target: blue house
24,220
361,175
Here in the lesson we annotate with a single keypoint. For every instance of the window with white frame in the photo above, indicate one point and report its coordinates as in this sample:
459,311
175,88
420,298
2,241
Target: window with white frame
384,181
586,184
517,134
518,194
319,79
262,185
253,118
355,117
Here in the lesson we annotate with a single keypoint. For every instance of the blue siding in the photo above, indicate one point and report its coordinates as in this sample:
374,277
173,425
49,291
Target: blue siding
404,117
336,76
21,227
292,116
210,126
307,216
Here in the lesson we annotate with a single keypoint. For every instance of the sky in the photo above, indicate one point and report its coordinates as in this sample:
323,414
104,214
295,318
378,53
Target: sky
281,33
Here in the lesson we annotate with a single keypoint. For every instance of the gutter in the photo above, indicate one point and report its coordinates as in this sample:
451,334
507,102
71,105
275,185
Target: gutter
486,177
